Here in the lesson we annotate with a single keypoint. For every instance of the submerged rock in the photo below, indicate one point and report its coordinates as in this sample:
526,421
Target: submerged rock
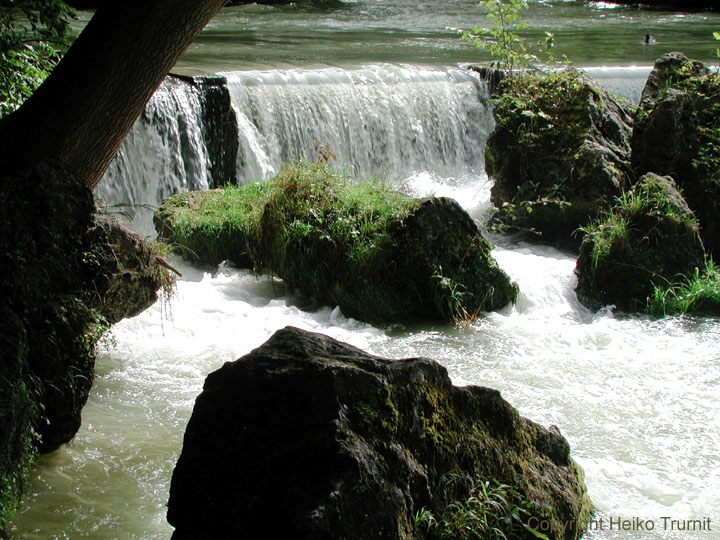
559,154
307,437
381,256
648,240
677,133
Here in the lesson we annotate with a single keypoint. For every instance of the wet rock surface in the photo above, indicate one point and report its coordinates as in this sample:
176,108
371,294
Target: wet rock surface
307,437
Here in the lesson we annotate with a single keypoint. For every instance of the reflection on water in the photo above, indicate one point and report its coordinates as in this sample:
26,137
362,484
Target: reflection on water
406,31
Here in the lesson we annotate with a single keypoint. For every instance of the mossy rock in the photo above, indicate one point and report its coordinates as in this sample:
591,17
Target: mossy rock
559,154
649,239
308,437
58,267
677,133
379,255
19,411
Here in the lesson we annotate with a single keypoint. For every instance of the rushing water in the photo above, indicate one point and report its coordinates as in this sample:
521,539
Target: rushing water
378,82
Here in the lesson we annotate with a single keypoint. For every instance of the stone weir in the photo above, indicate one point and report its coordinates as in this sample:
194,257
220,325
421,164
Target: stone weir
307,437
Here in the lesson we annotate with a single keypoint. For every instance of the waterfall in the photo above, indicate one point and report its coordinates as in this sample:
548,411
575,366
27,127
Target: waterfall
627,82
390,121
163,154
380,120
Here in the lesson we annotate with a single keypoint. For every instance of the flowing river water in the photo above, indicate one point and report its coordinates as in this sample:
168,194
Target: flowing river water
378,83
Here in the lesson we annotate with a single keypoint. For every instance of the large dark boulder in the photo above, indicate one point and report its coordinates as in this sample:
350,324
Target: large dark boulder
58,268
559,154
307,437
677,133
648,240
434,265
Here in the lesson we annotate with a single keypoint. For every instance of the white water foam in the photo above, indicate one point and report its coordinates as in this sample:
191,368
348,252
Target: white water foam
636,398
380,120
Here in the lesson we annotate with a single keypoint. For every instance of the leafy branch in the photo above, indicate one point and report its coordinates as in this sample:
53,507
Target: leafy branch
502,41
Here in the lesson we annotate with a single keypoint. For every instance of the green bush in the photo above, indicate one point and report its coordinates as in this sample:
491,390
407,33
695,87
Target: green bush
33,36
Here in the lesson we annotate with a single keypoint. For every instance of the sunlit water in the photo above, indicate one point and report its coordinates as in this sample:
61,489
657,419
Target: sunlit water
636,398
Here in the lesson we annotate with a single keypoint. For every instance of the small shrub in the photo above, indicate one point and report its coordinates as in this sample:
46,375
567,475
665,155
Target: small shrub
502,42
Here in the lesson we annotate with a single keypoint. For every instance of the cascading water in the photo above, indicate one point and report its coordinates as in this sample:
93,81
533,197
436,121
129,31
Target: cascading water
389,121
378,120
164,153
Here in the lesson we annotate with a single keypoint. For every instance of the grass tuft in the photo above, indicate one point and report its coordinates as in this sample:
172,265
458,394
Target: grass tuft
697,295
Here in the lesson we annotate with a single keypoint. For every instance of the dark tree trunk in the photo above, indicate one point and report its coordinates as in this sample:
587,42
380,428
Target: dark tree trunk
84,110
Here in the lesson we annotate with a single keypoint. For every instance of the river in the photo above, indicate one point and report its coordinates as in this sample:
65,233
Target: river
379,83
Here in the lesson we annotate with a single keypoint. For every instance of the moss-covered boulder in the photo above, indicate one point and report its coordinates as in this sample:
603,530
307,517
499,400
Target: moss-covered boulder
379,255
138,273
58,268
307,437
677,133
649,239
559,154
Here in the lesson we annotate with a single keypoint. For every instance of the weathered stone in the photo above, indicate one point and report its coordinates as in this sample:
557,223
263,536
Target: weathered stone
435,266
137,275
307,437
491,76
57,266
649,239
220,130
677,133
559,154
52,265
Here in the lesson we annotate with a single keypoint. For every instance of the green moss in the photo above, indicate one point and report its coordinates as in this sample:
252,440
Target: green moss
546,115
612,233
206,225
361,246
644,242
704,88
548,180
18,413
